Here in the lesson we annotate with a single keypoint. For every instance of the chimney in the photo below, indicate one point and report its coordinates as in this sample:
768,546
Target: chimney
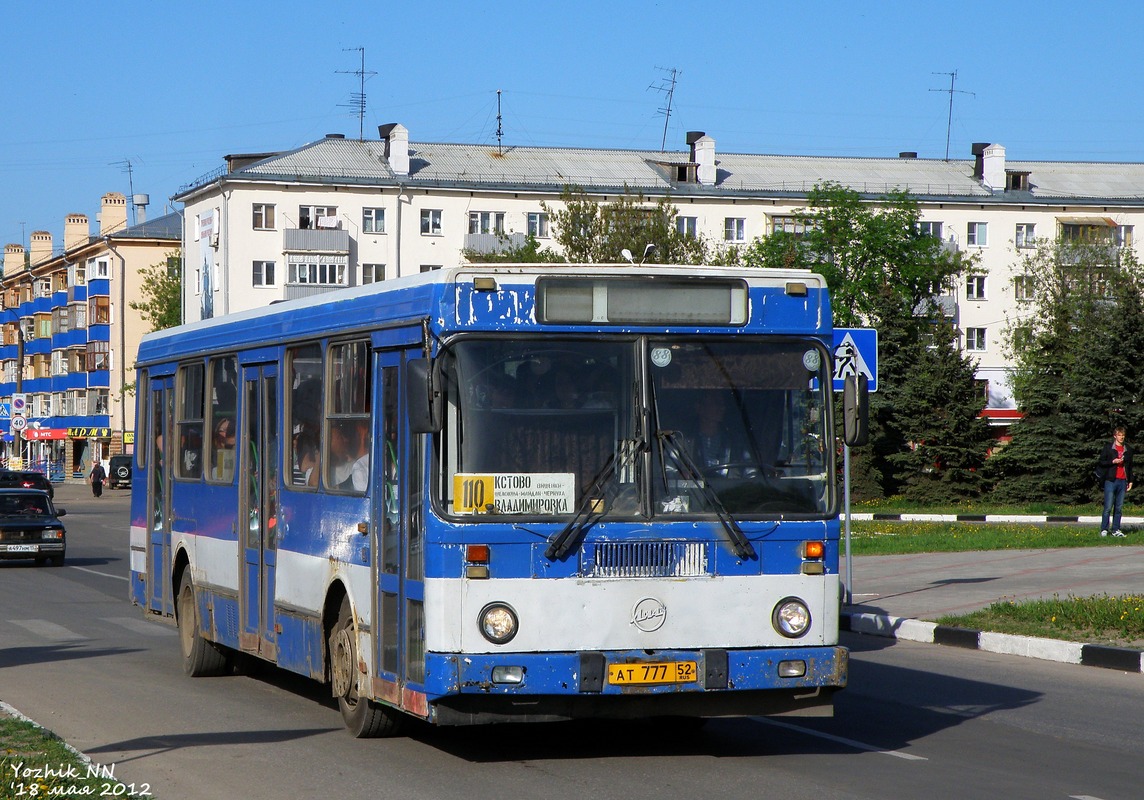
76,231
41,247
396,137
113,213
979,159
13,259
993,167
703,156
140,201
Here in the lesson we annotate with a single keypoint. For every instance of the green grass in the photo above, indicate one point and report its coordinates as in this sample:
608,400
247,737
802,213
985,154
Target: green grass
34,762
1117,621
896,538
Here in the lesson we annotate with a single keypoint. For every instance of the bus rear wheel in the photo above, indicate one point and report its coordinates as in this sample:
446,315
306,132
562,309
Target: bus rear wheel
201,658
363,717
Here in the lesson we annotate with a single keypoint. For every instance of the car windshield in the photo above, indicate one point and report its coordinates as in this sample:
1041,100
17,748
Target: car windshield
638,426
12,505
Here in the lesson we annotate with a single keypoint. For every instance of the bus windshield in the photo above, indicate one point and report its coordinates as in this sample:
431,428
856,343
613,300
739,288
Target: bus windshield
636,427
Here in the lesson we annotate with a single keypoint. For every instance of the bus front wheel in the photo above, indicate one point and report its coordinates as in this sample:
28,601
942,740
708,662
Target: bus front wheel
200,657
363,717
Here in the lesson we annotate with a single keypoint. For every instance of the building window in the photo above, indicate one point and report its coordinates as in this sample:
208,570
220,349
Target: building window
59,362
1023,287
77,359
734,229
262,274
431,222
792,225
98,356
486,222
538,224
44,325
77,275
373,220
687,226
97,402
975,339
1026,235
77,316
317,273
932,229
1124,235
263,216
975,287
372,273
98,268
977,235
99,310
317,217
60,319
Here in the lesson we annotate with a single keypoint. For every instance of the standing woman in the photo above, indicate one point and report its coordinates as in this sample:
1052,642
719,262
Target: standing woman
96,478
1116,466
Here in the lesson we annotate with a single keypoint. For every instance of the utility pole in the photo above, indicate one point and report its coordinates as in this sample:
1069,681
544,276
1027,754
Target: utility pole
667,87
357,99
952,91
126,166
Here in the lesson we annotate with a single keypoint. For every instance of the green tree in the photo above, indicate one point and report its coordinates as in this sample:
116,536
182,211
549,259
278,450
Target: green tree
926,438
590,231
1076,373
161,293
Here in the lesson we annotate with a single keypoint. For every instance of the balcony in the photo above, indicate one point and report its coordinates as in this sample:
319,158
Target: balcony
315,240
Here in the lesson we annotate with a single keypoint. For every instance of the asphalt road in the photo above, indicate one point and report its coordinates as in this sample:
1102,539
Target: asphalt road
918,721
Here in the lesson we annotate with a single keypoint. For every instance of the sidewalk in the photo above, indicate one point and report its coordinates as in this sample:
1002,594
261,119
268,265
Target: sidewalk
900,596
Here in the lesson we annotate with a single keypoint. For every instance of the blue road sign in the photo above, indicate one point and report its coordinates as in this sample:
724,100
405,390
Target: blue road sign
855,353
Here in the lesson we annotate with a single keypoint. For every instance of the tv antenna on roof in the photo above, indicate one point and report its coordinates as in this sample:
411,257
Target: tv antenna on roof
667,86
500,130
357,99
951,90
126,166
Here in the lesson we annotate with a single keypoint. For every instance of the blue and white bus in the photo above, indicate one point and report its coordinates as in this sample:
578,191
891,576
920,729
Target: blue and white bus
490,494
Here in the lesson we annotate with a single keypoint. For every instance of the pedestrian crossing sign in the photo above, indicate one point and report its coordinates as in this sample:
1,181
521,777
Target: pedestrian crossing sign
855,353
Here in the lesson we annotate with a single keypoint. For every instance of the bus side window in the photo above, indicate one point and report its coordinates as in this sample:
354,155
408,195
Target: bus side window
223,394
305,410
348,437
189,412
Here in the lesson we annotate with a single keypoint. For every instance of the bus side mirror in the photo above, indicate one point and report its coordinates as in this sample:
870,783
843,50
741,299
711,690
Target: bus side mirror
423,400
855,410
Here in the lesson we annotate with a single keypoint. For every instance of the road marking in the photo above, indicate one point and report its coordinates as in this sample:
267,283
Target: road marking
48,630
142,626
104,574
840,740
1082,797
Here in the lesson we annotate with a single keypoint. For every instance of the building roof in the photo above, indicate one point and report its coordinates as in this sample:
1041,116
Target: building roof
336,160
168,226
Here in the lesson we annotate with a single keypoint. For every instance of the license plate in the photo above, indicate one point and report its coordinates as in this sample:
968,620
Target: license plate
23,548
645,673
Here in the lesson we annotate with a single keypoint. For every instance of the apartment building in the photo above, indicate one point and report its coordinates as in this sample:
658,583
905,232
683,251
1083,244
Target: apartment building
70,338
340,212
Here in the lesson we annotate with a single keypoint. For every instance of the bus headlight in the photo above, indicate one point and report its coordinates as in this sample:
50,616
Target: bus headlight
497,622
791,618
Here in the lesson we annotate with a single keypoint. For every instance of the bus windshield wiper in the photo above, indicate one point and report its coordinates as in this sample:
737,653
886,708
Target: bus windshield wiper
690,472
591,506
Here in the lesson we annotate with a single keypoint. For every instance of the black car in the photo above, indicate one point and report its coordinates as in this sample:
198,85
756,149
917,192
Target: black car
30,527
26,479
119,473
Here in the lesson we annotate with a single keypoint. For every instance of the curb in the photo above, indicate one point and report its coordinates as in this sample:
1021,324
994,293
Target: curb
880,517
914,630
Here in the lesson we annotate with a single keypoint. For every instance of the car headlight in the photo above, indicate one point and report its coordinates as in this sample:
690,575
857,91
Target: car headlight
53,533
791,617
497,622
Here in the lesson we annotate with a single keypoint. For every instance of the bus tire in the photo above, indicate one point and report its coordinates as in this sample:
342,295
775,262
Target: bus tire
201,658
363,717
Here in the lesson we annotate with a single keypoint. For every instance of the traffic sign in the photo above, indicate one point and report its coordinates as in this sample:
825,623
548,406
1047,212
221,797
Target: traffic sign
19,423
855,353
19,404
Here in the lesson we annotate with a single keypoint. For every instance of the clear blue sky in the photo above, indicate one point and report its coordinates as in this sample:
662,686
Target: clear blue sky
172,87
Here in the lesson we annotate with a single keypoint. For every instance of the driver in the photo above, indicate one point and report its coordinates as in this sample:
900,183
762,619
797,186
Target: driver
715,444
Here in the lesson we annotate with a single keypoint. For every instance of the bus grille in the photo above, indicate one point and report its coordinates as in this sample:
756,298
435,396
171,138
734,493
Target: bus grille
649,560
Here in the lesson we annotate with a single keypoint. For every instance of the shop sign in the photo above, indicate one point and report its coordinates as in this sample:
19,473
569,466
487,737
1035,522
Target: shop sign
89,433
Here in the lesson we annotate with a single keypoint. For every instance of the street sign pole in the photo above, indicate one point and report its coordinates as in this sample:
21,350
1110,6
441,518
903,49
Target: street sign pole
849,585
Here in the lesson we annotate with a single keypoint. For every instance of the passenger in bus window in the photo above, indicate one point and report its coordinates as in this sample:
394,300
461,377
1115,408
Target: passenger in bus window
222,449
349,454
306,458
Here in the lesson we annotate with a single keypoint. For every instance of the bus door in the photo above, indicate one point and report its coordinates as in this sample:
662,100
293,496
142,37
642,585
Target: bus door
397,527
160,594
258,509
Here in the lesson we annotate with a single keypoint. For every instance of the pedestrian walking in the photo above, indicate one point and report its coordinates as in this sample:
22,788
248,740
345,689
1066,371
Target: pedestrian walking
98,476
1115,466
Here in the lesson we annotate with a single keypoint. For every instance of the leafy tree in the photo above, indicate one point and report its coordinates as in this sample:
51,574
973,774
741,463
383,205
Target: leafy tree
1076,372
161,293
530,252
926,440
590,231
